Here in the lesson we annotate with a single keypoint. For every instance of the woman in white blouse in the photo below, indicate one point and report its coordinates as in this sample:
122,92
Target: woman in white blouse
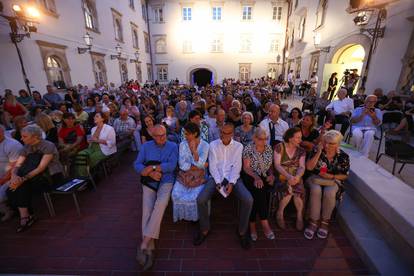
102,143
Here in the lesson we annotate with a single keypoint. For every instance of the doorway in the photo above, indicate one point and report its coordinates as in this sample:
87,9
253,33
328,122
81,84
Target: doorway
347,62
201,77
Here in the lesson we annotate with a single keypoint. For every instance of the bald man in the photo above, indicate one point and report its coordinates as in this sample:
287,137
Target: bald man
274,126
156,163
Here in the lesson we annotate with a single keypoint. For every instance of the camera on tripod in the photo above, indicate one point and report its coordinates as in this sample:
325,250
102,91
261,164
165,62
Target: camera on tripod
346,72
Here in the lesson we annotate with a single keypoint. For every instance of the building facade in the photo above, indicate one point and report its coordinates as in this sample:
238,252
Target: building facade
51,54
325,36
205,41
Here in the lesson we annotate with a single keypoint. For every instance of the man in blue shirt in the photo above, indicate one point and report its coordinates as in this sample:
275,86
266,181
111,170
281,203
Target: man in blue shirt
365,120
163,155
53,98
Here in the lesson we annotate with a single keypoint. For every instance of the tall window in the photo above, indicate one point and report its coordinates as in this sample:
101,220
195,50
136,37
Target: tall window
160,46
158,15
244,72
272,70
302,25
162,73
149,72
187,14
118,30
274,45
49,5
144,12
134,37
277,13
217,45
55,71
321,13
138,71
247,13
147,43
132,4
245,43
100,73
123,68
187,47
90,15
216,13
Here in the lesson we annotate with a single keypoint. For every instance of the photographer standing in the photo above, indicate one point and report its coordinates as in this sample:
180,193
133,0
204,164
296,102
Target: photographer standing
365,120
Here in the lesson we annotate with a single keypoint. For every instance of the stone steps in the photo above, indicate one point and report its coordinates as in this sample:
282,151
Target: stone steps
378,216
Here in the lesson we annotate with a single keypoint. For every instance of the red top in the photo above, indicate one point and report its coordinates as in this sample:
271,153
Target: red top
14,110
64,133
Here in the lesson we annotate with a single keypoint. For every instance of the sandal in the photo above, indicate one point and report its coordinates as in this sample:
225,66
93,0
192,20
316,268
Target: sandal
270,235
253,236
28,223
309,232
323,230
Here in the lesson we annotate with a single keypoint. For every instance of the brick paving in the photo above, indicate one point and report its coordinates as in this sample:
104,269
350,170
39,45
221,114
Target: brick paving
103,240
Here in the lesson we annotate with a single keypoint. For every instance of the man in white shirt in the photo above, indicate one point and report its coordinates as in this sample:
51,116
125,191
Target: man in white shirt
340,110
274,126
290,80
225,164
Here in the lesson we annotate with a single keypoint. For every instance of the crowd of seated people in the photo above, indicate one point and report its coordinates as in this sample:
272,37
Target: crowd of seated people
233,138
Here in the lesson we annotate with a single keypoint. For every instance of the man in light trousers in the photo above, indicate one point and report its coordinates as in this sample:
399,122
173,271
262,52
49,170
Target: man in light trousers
156,162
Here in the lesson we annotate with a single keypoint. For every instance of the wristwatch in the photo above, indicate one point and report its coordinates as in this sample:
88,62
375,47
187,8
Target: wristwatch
154,167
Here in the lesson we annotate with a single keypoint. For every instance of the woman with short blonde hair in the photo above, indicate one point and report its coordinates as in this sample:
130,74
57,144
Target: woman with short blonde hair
329,166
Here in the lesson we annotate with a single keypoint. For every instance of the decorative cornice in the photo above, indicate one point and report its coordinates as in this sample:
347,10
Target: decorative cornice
50,44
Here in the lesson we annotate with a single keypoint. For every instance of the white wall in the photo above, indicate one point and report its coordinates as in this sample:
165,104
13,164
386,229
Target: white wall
68,29
339,29
202,29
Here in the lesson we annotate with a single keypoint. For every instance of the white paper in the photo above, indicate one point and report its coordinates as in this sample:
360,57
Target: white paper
222,191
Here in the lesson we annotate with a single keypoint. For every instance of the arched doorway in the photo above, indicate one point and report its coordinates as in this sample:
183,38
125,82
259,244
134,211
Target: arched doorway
201,77
348,62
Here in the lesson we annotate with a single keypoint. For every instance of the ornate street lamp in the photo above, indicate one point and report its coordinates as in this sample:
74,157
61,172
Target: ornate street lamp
22,24
88,41
118,50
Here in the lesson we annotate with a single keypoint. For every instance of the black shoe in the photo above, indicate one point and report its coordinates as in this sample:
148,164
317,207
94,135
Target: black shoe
200,238
28,222
245,241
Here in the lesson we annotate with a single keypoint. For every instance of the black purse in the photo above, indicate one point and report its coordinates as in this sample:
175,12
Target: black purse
31,162
147,180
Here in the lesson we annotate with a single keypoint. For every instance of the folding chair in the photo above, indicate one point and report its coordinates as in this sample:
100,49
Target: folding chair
399,151
72,191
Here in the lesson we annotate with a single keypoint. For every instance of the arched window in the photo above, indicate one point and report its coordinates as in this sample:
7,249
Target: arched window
160,46
55,71
118,30
88,16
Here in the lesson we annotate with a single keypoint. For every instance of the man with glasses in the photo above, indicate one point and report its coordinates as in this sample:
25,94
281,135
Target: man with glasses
156,163
225,164
365,120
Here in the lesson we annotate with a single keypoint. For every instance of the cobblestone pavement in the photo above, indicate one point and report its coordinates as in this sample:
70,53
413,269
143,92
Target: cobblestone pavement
103,240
